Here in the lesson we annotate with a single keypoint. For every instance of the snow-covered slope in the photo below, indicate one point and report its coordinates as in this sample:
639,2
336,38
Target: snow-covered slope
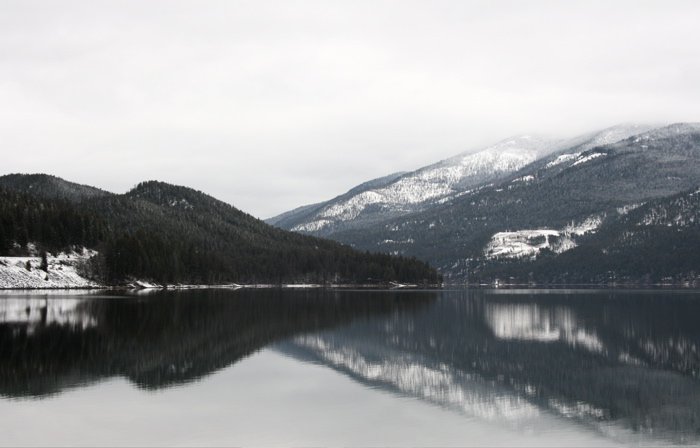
414,190
573,154
614,134
398,195
64,271
529,243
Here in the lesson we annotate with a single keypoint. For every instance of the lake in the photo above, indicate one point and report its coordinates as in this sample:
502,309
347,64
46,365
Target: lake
339,367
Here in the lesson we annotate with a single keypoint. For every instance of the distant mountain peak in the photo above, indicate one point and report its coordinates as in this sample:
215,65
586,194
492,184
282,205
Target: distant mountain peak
524,193
171,195
50,187
411,191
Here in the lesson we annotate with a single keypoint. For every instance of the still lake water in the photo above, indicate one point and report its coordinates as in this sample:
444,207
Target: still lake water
315,367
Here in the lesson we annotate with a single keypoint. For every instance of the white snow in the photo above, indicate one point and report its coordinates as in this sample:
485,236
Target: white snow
312,226
589,224
450,178
562,159
63,272
352,207
605,137
437,182
406,241
588,158
529,243
679,212
430,183
519,244
528,178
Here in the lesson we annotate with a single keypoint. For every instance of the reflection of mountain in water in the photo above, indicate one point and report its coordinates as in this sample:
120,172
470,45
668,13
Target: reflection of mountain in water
27,314
628,358
49,344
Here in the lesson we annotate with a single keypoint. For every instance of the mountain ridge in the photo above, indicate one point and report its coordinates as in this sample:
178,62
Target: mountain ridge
172,234
50,187
548,207
420,189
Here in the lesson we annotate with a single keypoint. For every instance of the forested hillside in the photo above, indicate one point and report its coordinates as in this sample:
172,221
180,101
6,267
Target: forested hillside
563,218
370,204
50,187
55,223
171,234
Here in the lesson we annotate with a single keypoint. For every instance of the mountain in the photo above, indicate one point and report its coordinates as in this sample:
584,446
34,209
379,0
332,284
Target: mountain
656,242
511,226
404,193
307,212
171,234
50,187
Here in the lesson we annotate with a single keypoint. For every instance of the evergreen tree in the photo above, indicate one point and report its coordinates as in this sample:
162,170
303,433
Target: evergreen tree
44,266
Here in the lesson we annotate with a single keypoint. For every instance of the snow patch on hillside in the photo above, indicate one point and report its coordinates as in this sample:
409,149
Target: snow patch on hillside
407,241
352,207
562,159
520,243
588,158
312,226
63,271
529,243
659,216
589,224
528,178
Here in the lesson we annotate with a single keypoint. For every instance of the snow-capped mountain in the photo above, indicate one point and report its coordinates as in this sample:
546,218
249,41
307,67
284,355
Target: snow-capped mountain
544,215
402,193
429,184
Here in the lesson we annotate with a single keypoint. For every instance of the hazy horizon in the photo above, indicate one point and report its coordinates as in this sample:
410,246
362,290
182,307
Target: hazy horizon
270,106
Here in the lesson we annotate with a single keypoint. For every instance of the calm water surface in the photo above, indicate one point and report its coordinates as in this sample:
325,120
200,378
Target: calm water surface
313,367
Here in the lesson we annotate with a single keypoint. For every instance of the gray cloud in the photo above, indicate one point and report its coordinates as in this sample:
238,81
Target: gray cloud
270,105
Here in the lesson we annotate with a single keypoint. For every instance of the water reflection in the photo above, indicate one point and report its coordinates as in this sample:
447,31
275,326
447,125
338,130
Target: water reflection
613,361
29,313
546,324
48,344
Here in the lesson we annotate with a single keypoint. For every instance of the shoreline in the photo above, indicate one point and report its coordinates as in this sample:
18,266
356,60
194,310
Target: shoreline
443,287
225,286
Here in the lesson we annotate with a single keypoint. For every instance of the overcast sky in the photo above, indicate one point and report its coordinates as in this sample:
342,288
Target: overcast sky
271,105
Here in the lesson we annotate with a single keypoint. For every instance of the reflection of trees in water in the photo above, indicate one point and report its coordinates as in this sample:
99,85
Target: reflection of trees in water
167,338
597,357
624,357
